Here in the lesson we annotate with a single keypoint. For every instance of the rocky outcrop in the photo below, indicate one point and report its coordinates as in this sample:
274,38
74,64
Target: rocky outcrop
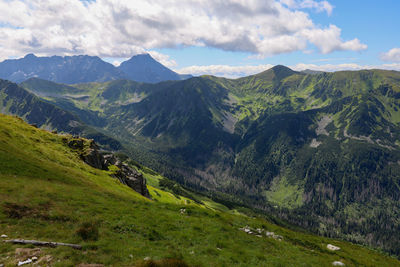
90,154
131,178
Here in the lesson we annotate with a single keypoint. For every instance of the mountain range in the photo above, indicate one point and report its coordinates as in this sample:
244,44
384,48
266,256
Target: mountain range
318,150
83,68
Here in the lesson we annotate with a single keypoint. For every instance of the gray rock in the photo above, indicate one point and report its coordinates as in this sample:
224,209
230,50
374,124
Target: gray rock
93,158
338,263
76,143
131,178
332,247
109,159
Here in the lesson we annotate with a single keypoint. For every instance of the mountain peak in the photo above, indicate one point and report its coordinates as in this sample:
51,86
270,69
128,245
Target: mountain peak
277,72
144,68
143,55
141,58
281,68
30,55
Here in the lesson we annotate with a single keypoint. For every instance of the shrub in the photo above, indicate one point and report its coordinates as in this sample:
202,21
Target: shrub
162,263
88,231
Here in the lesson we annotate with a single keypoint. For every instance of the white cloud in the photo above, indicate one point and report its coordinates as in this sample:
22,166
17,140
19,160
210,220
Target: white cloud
163,59
241,71
225,70
328,40
117,28
392,55
319,6
116,63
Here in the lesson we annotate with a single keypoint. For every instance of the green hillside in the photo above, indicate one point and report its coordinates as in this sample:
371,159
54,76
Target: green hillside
47,193
321,150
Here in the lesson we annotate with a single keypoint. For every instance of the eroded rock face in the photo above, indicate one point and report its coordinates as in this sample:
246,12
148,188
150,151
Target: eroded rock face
93,157
90,154
131,178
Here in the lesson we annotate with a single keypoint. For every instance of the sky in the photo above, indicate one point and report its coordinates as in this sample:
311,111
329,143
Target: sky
229,38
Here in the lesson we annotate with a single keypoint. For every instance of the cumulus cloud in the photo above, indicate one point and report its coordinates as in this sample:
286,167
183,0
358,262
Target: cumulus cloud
118,28
328,40
319,6
392,55
241,71
163,59
225,70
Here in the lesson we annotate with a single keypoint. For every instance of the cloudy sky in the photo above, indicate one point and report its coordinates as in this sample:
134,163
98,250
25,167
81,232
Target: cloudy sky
221,37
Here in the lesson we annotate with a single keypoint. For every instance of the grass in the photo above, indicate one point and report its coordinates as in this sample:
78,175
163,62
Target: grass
47,193
285,194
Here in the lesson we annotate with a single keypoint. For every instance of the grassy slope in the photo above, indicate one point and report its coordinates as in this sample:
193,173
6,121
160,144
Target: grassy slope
38,171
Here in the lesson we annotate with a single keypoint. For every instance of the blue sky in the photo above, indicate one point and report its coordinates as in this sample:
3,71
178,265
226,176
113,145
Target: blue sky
227,38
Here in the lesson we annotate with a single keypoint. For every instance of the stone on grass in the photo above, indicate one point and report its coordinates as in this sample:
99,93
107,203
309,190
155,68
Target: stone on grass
338,263
22,254
24,262
332,247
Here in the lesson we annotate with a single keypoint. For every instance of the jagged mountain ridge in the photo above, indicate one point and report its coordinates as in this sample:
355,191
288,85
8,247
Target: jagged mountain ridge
68,69
84,68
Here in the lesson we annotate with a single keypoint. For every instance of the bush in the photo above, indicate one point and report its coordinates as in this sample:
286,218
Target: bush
88,231
162,263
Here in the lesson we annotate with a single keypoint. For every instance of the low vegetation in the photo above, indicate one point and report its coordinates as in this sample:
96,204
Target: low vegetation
47,193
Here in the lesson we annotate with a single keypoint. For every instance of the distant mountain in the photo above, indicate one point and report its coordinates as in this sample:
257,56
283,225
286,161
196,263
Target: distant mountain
43,87
83,69
308,71
16,100
277,73
69,69
143,68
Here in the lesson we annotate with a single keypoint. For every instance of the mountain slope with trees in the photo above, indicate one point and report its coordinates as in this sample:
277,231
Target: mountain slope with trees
320,150
48,193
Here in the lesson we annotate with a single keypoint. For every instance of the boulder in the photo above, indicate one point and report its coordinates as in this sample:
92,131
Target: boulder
338,263
332,247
